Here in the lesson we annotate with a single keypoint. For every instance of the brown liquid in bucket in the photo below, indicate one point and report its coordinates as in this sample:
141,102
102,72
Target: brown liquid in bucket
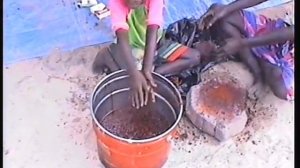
132,123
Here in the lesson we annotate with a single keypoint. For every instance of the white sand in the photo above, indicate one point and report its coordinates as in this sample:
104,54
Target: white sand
47,123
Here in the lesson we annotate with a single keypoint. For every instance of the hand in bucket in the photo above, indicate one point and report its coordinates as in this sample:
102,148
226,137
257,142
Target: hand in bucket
150,80
139,90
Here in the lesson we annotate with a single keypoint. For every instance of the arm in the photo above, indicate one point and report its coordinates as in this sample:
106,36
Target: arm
274,37
139,88
151,38
155,20
123,43
234,45
217,12
243,4
119,24
138,85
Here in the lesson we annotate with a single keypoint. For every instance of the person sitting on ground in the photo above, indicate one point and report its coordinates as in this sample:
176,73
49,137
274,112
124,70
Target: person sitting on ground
138,27
266,46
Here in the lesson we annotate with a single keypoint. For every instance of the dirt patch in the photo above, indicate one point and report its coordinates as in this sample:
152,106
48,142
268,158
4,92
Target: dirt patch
261,116
221,100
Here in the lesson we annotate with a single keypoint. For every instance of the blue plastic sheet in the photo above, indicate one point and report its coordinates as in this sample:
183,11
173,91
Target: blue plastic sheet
33,28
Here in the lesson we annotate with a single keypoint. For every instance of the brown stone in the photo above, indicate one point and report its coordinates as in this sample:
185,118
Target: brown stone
217,107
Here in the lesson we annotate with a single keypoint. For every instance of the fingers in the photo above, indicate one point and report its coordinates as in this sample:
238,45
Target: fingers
151,80
212,21
147,95
141,92
153,84
220,52
231,56
152,95
204,19
141,98
135,100
149,89
201,24
138,98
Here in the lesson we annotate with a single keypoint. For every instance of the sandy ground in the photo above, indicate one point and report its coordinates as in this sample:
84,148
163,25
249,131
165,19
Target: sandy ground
47,120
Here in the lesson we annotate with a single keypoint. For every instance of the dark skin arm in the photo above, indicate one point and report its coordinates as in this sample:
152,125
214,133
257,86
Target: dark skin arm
151,37
275,37
243,4
122,40
214,14
233,45
139,87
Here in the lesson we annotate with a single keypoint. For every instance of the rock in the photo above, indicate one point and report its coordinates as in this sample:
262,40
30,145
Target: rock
217,106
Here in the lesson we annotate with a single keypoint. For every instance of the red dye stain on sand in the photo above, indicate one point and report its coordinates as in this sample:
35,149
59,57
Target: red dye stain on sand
221,100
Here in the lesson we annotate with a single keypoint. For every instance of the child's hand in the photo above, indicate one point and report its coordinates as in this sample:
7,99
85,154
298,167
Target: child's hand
149,78
139,89
232,46
213,14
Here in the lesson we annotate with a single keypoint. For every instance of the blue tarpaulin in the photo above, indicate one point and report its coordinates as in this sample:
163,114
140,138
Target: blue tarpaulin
33,28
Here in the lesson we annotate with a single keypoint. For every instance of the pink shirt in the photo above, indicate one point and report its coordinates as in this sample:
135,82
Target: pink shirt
119,13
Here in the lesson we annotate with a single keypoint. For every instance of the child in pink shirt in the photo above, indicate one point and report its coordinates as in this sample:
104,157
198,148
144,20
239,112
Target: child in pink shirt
138,28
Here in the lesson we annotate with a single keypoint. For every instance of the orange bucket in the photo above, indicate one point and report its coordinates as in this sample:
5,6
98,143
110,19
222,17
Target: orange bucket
115,151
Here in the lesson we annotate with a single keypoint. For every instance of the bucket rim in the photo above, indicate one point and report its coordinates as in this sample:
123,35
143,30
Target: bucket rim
158,137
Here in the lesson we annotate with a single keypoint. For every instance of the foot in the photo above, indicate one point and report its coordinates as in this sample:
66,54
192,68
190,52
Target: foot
257,91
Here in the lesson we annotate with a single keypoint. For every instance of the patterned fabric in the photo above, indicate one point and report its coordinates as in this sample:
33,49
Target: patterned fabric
167,52
171,51
281,55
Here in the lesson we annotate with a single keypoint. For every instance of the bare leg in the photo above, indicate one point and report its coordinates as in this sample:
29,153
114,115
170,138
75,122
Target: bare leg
189,59
273,76
110,57
107,57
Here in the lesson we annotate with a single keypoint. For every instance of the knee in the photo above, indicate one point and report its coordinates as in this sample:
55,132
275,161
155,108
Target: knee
193,56
279,92
277,84
96,66
99,60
